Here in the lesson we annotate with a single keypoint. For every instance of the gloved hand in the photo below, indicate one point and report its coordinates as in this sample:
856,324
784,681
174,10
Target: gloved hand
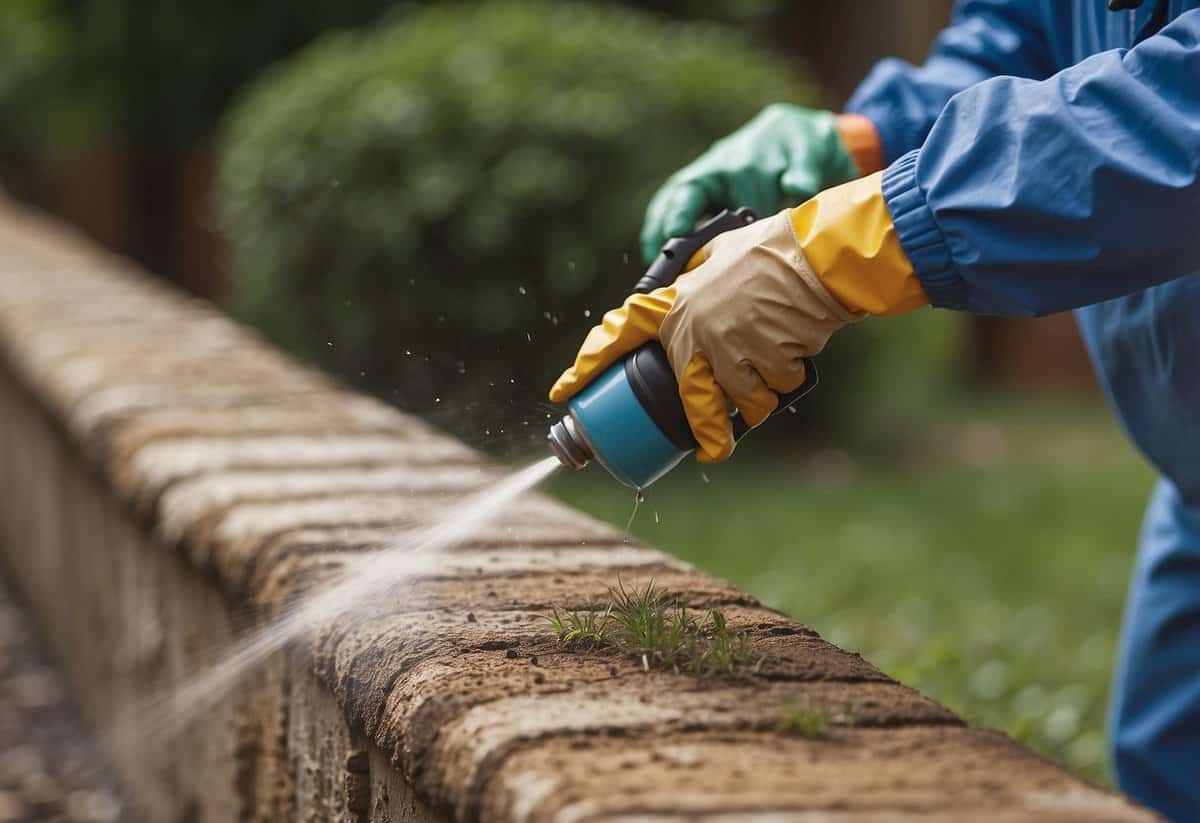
754,302
783,156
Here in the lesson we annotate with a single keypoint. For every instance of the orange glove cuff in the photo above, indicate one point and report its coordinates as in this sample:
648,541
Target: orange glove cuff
861,140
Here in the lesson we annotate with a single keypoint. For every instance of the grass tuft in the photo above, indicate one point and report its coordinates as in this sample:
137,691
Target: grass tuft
653,627
807,722
581,627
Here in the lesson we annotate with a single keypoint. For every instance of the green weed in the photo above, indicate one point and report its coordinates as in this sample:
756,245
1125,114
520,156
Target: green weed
581,627
807,722
651,626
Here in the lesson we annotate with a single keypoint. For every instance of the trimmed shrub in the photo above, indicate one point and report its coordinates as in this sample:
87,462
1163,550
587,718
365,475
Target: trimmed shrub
435,208
438,210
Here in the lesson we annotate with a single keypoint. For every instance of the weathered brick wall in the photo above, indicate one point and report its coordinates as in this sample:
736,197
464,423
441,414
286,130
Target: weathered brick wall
169,480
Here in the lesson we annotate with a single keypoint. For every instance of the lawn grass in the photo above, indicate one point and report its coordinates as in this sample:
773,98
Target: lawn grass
984,563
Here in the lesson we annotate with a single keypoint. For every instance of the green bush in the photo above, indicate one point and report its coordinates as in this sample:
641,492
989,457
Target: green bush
465,184
438,209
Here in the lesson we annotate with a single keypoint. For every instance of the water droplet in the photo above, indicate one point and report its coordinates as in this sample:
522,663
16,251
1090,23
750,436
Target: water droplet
520,290
330,343
546,315
587,312
657,519
704,477
791,409
437,400
408,352
528,337
512,380
637,501
625,258
571,265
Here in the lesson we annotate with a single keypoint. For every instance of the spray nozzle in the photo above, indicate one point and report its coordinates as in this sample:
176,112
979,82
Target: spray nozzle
568,444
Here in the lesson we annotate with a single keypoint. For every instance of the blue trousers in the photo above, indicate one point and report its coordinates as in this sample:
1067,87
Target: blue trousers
1154,722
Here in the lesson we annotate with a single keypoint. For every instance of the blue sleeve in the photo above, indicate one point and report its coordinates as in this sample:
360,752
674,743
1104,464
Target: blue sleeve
1034,197
985,38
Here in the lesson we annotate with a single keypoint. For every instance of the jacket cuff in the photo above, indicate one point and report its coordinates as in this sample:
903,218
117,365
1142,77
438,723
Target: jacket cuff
920,236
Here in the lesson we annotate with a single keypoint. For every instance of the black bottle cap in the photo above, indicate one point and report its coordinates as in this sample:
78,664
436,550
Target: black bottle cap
649,374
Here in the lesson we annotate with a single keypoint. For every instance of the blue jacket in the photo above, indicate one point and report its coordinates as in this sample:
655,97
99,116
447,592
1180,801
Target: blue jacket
1047,157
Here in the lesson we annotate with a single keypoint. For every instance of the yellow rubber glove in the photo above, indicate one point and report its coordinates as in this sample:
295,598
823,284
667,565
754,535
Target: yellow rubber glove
849,240
755,302
736,325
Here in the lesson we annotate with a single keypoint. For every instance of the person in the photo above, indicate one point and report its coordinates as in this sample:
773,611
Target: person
1045,157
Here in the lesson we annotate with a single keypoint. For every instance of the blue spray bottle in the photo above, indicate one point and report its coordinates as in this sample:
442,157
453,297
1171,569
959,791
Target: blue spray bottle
630,419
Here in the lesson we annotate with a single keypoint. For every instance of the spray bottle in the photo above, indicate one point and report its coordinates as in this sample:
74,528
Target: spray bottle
630,419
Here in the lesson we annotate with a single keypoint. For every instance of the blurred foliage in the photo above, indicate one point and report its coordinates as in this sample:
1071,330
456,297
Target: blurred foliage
165,71
438,209
987,567
34,46
433,209
767,20
515,177
881,378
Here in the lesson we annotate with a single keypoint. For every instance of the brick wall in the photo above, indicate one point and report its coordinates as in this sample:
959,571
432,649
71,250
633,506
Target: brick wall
171,481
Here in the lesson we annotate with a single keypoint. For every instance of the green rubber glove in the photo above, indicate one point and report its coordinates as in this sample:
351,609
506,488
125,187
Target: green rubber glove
782,157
